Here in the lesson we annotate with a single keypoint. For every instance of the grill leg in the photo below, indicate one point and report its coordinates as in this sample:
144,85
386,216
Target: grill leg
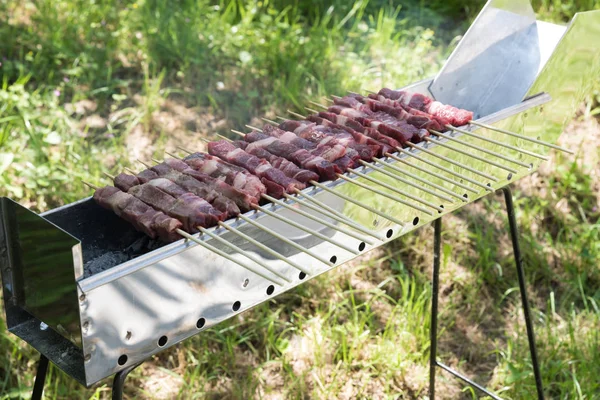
437,244
40,378
119,381
514,235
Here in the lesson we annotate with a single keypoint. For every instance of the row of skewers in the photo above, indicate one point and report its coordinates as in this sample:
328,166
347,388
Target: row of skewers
179,197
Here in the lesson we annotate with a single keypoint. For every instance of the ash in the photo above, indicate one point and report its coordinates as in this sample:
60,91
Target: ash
101,259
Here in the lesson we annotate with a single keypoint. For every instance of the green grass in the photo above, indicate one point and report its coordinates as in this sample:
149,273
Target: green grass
82,82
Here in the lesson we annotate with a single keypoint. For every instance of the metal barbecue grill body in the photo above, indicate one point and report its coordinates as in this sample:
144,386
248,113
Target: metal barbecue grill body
95,296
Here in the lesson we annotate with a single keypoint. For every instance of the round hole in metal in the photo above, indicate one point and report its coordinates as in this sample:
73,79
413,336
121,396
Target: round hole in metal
416,221
270,290
246,282
301,276
389,233
509,176
333,259
465,195
122,360
361,246
200,323
162,341
128,335
488,184
236,306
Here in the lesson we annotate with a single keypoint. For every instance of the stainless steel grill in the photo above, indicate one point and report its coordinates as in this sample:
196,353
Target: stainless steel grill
87,291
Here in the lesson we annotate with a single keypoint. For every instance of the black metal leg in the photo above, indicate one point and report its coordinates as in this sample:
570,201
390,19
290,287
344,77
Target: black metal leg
437,244
514,235
40,378
119,382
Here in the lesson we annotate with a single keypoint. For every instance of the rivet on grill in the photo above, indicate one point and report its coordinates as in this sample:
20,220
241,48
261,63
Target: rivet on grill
270,290
389,233
236,306
333,259
122,360
361,246
200,323
162,341
87,357
246,282
301,276
82,297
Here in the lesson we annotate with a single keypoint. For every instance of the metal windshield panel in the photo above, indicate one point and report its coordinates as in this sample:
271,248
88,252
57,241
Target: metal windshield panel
496,61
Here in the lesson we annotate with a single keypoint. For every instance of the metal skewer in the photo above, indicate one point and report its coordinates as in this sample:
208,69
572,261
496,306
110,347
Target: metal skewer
270,121
285,240
327,99
486,126
224,137
317,219
145,164
295,114
228,257
426,161
319,105
184,150
263,247
132,172
245,253
385,185
431,192
495,154
109,176
358,203
90,185
422,169
307,230
495,164
389,196
508,146
254,128
242,134
342,219
451,161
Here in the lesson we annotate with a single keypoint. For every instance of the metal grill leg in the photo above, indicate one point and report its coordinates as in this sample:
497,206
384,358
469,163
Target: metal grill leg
514,235
119,382
40,378
437,244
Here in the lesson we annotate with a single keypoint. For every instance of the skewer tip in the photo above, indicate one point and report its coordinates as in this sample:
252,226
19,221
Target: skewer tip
109,176
242,134
90,185
185,150
253,128
295,114
172,155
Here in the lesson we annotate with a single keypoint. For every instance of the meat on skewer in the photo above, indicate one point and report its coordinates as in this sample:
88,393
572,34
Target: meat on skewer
143,217
187,208
275,143
455,116
257,166
237,177
290,169
388,144
319,131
